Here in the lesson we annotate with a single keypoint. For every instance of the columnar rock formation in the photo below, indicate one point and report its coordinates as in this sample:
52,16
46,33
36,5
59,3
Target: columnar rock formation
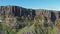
19,11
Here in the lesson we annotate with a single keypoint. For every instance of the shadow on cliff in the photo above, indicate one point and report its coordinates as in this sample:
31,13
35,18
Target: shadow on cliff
53,17
17,11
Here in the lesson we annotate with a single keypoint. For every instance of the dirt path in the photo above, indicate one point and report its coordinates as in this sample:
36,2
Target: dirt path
58,32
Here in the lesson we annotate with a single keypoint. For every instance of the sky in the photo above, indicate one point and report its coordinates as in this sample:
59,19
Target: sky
34,4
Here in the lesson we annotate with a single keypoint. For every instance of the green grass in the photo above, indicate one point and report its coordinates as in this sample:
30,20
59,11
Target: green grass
25,29
36,27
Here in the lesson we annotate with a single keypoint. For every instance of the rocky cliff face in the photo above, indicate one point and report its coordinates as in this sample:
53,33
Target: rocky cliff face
12,15
19,11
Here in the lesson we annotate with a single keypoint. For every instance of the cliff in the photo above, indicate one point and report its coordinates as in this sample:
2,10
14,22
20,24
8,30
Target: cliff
38,22
20,11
